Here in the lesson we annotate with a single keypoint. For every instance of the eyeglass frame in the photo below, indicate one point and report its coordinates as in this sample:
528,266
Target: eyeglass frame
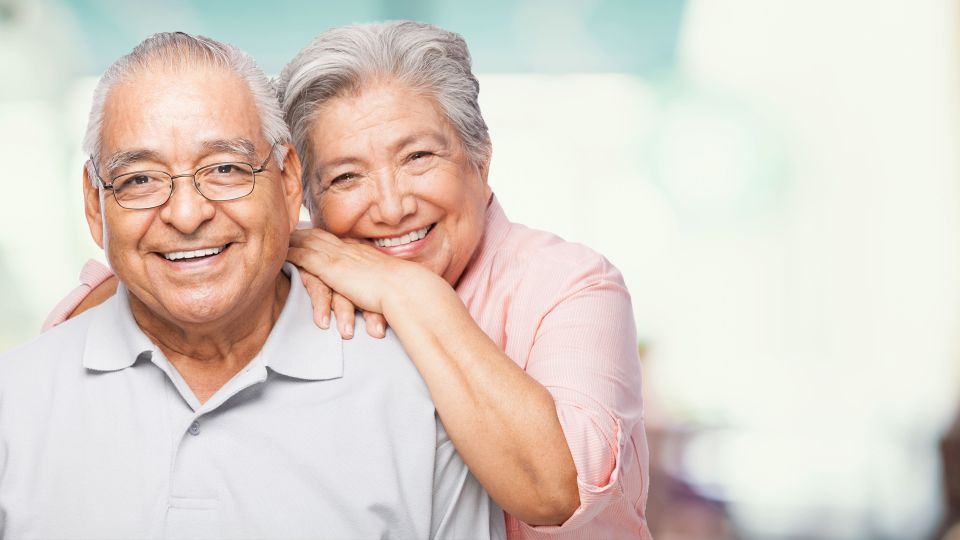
254,171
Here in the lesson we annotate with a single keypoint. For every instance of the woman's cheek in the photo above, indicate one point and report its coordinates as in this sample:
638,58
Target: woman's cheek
339,212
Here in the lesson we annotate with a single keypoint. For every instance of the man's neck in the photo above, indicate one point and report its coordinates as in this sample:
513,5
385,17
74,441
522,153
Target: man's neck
207,356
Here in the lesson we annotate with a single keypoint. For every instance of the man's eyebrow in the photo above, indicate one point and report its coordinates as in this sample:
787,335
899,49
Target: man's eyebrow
124,158
238,146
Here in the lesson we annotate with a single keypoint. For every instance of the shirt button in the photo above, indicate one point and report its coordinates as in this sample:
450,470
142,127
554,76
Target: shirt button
194,428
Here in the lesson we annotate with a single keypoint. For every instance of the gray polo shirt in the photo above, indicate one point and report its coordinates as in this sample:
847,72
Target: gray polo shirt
100,437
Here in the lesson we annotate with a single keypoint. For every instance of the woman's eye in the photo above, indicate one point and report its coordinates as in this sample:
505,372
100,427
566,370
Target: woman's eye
345,177
419,155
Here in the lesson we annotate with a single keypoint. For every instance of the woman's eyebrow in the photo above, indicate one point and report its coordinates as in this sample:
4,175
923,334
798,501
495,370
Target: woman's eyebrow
428,136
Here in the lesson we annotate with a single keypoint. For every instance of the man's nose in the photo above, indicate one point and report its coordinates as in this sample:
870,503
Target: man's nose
187,209
394,201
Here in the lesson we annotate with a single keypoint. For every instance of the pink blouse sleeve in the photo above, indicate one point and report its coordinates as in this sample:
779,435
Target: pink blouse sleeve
92,274
585,354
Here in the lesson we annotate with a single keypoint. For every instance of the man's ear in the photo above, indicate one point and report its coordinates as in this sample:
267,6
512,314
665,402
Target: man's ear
91,206
292,188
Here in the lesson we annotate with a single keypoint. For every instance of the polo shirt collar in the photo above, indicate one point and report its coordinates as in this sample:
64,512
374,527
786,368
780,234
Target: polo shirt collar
296,347
114,341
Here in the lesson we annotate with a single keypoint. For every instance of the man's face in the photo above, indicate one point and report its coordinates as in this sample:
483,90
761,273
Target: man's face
177,122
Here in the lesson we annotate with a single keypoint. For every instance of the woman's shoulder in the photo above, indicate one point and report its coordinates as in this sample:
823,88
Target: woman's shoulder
548,257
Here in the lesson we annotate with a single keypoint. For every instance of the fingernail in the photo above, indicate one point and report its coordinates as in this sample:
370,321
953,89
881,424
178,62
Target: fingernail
348,329
325,322
380,330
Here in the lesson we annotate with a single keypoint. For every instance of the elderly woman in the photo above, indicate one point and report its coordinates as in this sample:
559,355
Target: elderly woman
526,342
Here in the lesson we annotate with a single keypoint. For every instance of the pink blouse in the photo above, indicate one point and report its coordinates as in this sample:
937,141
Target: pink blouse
562,313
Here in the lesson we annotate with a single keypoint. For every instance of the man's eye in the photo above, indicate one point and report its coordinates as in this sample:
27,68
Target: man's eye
138,180
226,168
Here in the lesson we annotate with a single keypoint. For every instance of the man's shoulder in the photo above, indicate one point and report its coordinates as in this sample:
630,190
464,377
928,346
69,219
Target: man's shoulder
57,349
383,357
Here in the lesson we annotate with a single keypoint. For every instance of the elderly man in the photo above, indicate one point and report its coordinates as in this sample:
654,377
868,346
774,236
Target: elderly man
201,400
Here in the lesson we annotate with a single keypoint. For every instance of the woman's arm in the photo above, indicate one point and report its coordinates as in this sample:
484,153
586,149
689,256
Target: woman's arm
97,283
522,459
97,296
584,351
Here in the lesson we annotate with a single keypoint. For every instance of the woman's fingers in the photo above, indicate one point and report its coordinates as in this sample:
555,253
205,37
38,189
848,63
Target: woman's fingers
321,297
346,316
376,324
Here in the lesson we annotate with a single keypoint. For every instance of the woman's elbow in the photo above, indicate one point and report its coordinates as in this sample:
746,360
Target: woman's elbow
554,507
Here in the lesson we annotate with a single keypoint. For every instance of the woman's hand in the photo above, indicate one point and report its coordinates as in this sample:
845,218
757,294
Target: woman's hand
326,262
324,299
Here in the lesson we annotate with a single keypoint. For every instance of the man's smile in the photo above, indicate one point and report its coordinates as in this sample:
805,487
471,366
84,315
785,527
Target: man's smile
194,253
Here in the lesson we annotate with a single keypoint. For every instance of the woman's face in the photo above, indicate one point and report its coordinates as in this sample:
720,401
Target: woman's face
389,170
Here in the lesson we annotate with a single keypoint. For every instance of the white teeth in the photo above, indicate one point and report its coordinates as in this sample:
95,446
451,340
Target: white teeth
177,255
401,240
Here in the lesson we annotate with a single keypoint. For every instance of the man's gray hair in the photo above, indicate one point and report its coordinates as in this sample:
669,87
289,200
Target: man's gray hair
175,51
343,60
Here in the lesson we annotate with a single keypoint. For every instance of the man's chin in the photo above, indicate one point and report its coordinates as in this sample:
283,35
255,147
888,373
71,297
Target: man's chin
191,307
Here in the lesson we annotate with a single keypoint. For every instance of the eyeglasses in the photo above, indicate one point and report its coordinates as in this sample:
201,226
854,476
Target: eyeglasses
227,181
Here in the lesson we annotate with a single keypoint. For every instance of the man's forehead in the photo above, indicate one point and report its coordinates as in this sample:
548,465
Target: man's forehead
177,112
153,92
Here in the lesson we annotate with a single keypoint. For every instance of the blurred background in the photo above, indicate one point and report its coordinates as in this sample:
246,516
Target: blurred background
777,180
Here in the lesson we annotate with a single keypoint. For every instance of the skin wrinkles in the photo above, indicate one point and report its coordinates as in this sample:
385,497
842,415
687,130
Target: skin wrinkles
237,149
216,310
372,137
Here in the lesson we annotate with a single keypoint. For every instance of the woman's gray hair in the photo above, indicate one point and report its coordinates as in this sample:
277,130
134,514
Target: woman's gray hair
342,60
174,51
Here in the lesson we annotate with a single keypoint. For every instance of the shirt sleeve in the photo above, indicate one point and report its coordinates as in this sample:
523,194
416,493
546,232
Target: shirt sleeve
92,274
585,354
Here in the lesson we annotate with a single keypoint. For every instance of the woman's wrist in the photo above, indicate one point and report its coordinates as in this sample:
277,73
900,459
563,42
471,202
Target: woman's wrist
415,295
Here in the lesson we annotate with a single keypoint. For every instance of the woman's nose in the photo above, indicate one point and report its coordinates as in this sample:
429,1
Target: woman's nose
394,200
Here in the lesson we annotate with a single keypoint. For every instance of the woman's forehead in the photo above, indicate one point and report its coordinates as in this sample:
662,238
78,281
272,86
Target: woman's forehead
390,117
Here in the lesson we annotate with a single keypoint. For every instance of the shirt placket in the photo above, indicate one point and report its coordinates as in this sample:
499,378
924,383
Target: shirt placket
194,503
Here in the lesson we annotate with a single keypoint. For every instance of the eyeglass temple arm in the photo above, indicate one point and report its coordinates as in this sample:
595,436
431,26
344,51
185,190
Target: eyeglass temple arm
93,164
263,165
